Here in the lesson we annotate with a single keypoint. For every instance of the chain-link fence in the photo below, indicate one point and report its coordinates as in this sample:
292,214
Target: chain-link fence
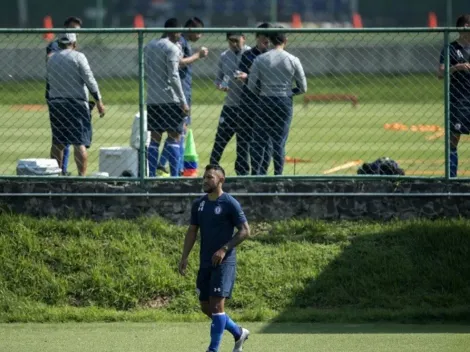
369,94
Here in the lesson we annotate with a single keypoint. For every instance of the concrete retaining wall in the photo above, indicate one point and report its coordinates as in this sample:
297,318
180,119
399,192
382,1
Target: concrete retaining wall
331,205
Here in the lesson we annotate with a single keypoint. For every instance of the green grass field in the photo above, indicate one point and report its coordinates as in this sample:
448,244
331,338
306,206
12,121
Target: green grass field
323,135
136,337
302,285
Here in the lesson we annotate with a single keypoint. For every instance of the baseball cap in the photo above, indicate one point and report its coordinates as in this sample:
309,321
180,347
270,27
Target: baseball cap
67,38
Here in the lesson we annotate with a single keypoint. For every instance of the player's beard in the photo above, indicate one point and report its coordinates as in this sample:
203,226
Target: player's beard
210,189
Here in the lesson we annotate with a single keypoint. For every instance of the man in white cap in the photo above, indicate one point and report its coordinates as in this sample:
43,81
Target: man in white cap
70,78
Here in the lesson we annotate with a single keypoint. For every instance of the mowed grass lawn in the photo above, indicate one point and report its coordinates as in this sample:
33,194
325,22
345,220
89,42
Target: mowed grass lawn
186,337
325,138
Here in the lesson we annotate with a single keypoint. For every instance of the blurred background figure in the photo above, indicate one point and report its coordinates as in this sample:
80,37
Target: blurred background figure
225,13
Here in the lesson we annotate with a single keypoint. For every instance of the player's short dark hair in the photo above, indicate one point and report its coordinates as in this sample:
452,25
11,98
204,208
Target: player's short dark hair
216,168
277,38
172,23
463,20
194,22
263,25
72,19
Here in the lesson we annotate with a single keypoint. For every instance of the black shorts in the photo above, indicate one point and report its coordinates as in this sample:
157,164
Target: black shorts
460,119
165,118
216,281
70,122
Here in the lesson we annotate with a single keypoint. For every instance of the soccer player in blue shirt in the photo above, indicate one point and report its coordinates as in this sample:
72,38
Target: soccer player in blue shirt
216,215
186,81
459,56
53,47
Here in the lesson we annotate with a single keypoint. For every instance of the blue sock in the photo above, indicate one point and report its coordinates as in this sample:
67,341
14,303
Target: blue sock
164,157
181,161
173,152
454,162
153,158
65,159
233,328
217,330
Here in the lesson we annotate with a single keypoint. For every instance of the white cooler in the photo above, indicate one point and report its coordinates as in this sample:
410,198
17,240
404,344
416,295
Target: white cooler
119,161
38,167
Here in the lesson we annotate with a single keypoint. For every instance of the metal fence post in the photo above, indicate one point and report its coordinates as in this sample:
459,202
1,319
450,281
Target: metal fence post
142,147
447,103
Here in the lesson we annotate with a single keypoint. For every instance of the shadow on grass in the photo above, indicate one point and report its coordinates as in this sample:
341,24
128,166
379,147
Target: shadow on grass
415,273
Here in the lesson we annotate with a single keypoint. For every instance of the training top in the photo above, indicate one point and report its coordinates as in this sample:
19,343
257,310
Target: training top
69,75
248,97
217,221
186,71
459,80
273,72
52,47
228,63
162,58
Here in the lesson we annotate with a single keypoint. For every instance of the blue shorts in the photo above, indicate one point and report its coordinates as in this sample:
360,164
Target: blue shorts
216,281
70,122
460,119
165,118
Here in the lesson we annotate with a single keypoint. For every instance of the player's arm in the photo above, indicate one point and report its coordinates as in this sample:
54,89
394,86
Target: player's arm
242,234
452,68
220,74
254,77
300,79
174,75
244,67
238,218
90,81
190,238
193,58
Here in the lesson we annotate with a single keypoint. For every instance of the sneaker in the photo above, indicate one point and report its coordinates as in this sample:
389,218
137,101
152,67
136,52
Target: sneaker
239,343
162,172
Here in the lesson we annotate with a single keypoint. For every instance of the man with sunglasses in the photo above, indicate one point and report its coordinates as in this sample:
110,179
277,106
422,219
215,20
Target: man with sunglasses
228,82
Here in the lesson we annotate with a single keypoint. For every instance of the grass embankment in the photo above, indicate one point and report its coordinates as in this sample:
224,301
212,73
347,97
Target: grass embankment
53,270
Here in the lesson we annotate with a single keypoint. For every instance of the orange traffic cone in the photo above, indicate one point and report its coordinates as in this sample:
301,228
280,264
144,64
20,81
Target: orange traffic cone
432,20
296,21
357,20
139,21
48,24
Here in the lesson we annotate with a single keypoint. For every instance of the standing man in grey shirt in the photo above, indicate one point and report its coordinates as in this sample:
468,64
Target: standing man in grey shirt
166,103
70,78
271,77
227,81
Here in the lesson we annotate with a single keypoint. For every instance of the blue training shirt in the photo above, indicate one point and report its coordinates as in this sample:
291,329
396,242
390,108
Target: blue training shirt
217,221
460,80
248,97
52,47
186,71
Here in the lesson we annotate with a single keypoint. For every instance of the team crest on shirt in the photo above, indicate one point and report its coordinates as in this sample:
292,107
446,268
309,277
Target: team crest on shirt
218,210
